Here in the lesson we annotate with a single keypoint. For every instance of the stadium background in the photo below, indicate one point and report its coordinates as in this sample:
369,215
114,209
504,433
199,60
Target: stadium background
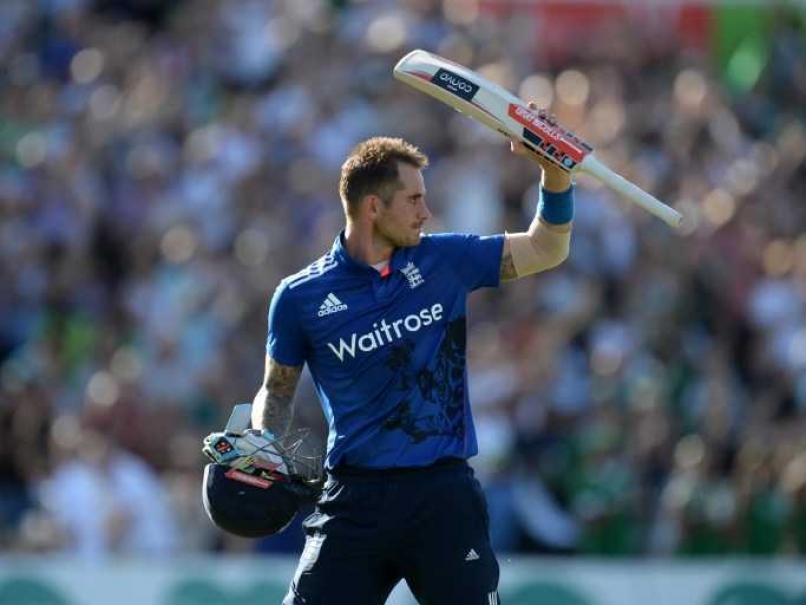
641,411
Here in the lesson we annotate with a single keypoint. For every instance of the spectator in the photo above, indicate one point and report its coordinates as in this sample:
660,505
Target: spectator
161,165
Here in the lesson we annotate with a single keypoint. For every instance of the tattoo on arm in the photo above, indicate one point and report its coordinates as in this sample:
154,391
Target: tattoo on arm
277,396
507,272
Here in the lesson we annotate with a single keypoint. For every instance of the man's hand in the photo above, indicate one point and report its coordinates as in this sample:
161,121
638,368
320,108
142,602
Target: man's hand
554,178
250,451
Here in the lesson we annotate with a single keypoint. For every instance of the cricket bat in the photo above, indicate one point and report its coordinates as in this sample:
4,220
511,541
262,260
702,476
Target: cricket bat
469,93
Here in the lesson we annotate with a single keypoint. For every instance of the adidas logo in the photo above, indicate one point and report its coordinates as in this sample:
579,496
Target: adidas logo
472,555
331,305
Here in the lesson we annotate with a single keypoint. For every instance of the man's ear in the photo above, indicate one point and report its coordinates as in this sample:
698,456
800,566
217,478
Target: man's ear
373,205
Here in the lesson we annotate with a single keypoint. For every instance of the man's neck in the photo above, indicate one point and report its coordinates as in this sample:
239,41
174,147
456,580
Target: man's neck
362,245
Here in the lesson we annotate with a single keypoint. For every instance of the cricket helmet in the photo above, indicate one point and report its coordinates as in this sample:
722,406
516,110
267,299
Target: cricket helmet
256,500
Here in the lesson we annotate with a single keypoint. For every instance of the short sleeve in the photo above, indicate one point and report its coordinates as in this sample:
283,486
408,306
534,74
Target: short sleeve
476,260
286,343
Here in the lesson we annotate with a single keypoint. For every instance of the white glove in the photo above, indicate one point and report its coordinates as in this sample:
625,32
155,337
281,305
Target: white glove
251,451
262,453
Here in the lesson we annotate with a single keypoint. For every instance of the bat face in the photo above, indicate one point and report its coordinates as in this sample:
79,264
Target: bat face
549,140
492,105
487,102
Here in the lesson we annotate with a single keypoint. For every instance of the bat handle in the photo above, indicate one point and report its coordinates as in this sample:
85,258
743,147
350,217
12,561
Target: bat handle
591,165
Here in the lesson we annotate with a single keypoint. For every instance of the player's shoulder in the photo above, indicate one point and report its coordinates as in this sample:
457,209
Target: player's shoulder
458,247
436,249
313,274
441,240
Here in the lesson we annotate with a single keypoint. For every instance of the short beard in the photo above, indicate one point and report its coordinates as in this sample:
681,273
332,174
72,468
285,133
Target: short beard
394,240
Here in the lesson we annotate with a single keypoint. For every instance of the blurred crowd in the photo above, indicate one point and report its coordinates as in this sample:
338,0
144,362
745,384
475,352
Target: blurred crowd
164,164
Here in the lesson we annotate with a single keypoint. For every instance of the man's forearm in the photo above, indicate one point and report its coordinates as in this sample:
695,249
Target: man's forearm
271,412
273,405
551,241
545,244
542,247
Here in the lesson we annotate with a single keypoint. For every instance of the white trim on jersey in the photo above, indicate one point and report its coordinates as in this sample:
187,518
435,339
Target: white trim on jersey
317,269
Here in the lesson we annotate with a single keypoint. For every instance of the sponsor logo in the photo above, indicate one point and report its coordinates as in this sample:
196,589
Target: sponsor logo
454,83
237,475
556,136
223,446
383,333
412,274
331,305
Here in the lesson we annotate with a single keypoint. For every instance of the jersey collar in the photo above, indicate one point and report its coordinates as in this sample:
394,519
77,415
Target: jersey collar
398,259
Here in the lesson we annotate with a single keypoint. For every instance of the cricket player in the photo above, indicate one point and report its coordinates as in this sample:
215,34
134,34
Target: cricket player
380,321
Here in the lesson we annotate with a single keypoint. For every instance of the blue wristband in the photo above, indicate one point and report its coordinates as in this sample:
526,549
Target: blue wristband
556,208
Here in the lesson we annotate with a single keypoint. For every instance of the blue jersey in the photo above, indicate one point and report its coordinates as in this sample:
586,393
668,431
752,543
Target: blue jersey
387,352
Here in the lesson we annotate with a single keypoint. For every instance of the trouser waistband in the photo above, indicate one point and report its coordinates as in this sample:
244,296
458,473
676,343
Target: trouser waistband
352,472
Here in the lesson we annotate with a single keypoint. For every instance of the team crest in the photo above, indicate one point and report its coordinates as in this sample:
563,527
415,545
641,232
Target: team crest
412,274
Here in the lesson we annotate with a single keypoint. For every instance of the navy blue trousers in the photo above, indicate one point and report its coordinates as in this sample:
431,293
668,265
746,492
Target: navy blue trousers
371,529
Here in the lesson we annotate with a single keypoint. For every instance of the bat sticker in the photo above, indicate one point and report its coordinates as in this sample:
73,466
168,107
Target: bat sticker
549,150
456,84
561,138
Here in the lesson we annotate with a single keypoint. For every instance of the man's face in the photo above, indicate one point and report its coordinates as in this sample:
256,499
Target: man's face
400,221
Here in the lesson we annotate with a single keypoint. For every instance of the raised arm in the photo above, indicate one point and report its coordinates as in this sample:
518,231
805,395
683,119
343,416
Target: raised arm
273,405
542,247
546,243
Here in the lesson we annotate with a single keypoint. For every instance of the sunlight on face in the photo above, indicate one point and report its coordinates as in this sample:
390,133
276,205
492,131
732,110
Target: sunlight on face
400,222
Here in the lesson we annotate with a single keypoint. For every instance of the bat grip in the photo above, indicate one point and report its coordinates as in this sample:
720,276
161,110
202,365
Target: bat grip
591,165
